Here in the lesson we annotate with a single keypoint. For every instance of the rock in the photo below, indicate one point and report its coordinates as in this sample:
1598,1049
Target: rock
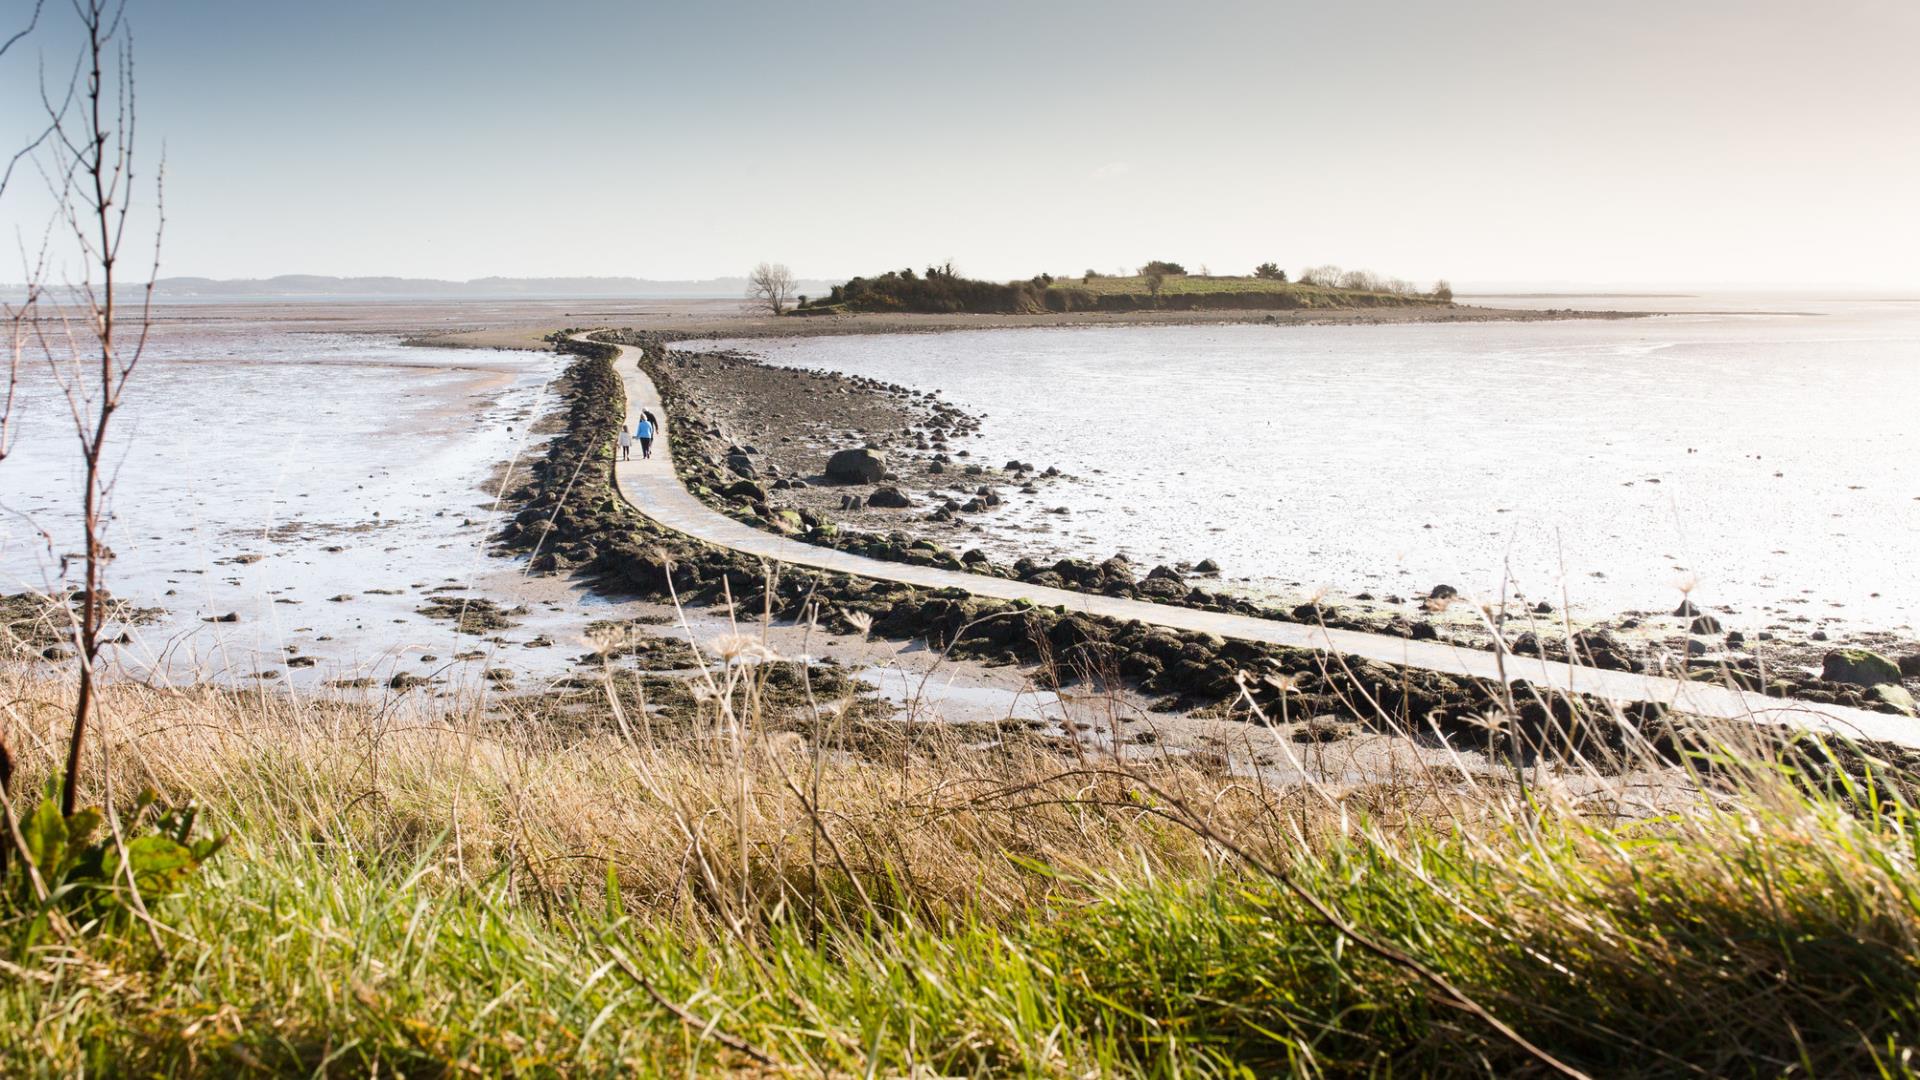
1443,592
404,681
56,652
1696,648
1686,610
973,557
1543,608
1206,566
740,464
301,661
889,498
1817,635
1527,644
1893,696
936,468
1910,665
1735,638
1861,667
1704,624
745,489
1424,631
1598,648
860,466
231,616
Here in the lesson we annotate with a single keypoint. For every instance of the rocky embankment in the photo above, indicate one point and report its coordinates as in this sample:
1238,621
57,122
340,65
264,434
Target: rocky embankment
882,471
571,520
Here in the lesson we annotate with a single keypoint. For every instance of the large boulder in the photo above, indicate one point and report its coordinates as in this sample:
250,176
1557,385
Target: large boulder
1861,667
889,498
859,466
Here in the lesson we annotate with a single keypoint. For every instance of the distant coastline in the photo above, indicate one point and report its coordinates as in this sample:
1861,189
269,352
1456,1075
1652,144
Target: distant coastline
327,287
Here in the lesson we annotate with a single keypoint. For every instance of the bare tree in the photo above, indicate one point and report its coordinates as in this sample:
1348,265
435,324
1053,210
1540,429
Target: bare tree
1325,275
1443,291
771,285
86,339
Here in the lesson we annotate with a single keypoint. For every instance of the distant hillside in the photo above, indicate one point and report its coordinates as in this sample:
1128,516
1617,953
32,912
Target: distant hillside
942,292
317,286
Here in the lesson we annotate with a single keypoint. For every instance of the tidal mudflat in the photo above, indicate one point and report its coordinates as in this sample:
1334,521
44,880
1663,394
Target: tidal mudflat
1760,459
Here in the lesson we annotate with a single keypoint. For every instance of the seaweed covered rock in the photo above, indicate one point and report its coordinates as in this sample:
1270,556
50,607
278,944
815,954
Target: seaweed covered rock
858,466
1860,667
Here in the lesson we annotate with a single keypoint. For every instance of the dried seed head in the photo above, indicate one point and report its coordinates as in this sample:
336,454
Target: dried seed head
741,649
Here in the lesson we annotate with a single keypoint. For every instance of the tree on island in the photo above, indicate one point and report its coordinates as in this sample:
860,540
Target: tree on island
771,285
1156,280
1270,272
1163,268
1443,291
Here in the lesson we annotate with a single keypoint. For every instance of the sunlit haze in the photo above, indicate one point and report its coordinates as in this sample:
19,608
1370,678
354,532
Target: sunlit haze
1498,143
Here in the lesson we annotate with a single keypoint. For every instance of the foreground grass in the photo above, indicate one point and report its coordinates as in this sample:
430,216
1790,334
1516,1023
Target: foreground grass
433,892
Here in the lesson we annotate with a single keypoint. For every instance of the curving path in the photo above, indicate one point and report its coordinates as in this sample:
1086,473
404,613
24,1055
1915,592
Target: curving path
653,488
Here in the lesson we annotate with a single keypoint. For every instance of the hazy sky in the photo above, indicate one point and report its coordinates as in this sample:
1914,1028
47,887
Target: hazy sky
1760,141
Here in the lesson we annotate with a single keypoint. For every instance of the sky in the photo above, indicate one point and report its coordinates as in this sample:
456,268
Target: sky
1505,142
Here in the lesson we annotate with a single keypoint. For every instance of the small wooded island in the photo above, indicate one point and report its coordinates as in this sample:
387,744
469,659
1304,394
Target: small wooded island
1158,285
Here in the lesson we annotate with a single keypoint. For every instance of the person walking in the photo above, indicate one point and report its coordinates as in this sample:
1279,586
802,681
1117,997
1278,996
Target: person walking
626,443
644,432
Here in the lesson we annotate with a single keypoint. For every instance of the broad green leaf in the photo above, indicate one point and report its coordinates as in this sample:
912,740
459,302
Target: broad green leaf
46,834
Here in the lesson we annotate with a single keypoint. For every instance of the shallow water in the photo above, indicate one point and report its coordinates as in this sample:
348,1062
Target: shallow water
235,445
1768,461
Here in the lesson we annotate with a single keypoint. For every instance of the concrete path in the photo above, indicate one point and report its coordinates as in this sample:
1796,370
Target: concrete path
652,487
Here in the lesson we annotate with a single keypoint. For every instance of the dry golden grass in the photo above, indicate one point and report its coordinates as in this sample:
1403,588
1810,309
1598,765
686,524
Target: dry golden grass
430,885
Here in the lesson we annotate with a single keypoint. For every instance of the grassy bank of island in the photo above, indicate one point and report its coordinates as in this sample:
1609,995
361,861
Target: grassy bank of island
1158,285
